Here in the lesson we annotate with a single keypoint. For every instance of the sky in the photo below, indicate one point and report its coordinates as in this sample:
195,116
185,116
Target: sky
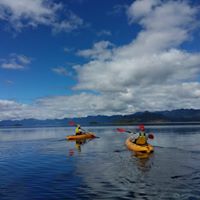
74,58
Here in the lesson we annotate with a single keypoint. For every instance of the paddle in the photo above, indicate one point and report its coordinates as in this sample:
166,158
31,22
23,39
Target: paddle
71,123
151,136
122,130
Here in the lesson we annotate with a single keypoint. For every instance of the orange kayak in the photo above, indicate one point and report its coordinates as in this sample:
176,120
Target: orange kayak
79,137
138,148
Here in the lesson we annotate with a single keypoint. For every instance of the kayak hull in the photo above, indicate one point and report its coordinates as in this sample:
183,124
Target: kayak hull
79,137
139,148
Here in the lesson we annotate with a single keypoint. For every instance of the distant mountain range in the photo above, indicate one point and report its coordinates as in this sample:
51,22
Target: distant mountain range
180,116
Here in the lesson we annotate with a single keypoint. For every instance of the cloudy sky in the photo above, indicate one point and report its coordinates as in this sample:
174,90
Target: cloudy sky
88,57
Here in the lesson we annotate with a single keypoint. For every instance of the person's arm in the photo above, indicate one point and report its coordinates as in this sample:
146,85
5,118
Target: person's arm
81,130
133,136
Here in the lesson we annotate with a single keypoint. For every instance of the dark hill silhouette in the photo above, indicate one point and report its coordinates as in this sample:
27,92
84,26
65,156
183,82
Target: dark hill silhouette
158,117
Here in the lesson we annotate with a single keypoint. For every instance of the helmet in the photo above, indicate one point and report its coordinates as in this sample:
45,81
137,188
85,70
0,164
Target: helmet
141,127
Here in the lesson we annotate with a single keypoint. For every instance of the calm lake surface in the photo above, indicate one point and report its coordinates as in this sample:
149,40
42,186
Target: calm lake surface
38,163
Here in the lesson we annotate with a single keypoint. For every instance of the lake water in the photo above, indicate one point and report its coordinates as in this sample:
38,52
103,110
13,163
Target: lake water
40,164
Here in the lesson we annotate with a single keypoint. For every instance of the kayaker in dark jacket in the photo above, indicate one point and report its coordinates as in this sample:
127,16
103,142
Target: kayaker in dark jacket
140,138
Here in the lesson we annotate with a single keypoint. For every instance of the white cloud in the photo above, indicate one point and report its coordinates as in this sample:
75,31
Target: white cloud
141,8
118,9
152,61
153,97
68,50
21,14
73,22
79,105
23,59
11,109
104,33
164,68
60,70
15,61
101,50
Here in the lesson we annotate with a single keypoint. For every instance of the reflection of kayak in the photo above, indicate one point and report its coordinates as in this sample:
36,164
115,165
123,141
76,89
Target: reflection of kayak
142,155
80,142
83,136
138,148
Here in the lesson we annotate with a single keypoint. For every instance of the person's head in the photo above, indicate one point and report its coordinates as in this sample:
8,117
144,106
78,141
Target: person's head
141,127
78,126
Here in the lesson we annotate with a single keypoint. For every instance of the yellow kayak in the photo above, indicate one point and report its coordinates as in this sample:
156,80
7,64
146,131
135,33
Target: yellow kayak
138,148
79,137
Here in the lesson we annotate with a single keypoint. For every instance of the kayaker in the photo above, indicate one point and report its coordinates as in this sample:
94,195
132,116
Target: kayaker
78,130
140,138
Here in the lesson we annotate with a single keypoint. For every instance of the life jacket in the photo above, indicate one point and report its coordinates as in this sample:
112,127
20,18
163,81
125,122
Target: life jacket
77,131
142,139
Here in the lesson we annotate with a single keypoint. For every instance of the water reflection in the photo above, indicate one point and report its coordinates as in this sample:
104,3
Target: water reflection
144,161
79,143
105,168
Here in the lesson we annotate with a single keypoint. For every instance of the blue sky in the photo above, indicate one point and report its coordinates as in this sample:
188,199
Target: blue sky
88,57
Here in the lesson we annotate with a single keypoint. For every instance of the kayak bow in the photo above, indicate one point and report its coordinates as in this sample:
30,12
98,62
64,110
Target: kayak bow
138,148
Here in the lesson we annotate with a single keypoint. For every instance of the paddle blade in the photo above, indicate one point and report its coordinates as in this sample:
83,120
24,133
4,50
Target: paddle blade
151,136
71,123
121,130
